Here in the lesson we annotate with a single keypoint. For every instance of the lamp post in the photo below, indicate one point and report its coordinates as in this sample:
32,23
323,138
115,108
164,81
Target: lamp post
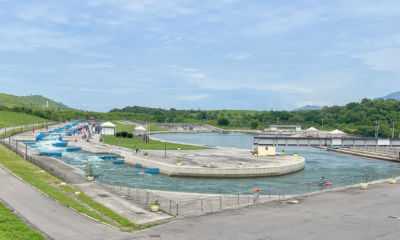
165,149
322,124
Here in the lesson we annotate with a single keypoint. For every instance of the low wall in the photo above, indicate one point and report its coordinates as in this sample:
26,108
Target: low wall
238,172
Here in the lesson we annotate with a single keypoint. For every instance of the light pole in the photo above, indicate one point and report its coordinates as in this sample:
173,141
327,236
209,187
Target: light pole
165,149
322,124
277,122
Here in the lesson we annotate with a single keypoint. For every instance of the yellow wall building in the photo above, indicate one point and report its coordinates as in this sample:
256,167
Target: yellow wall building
266,151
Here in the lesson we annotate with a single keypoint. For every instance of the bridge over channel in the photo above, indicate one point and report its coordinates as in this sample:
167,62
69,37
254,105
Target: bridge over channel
325,142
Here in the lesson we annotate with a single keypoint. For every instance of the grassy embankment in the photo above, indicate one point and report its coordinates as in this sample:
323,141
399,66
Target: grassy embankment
154,128
12,228
30,173
35,102
133,143
9,119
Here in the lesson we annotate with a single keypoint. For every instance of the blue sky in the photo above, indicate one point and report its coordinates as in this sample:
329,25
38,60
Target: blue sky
226,54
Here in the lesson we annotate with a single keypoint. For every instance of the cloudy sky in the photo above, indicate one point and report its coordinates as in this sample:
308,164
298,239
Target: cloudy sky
225,54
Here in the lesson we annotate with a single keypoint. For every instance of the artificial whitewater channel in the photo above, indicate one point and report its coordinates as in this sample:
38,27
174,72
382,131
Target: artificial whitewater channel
318,163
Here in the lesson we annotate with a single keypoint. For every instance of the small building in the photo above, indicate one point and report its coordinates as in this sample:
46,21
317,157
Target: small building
312,132
336,133
277,127
108,128
264,151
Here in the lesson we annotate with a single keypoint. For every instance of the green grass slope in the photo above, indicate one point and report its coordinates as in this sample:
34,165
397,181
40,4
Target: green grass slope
32,101
12,228
9,119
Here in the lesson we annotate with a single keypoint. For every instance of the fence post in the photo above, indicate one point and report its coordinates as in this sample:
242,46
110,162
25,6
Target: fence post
331,184
129,190
220,202
202,209
170,202
238,199
177,208
147,198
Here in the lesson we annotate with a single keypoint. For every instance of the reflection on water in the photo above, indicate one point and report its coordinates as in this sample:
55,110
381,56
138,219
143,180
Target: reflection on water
318,163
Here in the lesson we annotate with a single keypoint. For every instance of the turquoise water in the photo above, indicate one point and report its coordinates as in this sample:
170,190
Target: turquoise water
318,163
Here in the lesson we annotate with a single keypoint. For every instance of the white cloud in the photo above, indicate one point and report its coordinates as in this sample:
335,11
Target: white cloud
95,66
238,56
193,97
83,104
197,75
185,69
382,60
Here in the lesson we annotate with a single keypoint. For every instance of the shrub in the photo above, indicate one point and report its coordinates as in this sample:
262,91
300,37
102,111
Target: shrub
130,135
254,123
118,134
223,122
124,134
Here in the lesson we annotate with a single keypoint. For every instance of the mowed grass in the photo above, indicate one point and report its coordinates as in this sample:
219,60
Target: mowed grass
153,145
157,128
133,143
123,127
29,172
9,119
12,228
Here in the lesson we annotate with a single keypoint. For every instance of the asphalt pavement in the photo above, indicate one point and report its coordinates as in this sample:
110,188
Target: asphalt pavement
345,215
54,219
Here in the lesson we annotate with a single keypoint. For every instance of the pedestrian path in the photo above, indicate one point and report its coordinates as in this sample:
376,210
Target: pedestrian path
54,219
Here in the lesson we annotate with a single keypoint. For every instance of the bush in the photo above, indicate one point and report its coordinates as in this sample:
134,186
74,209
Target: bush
223,122
124,134
118,134
130,135
254,123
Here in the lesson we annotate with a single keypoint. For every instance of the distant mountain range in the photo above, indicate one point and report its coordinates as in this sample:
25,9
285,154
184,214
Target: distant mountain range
308,107
395,95
31,101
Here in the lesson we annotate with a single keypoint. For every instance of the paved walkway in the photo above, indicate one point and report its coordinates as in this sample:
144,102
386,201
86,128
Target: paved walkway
49,216
350,214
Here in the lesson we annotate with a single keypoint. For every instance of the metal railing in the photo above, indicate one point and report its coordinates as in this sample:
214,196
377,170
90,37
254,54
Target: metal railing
384,150
243,199
42,163
142,195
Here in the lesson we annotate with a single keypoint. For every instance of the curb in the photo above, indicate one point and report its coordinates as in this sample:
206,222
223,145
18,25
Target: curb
56,199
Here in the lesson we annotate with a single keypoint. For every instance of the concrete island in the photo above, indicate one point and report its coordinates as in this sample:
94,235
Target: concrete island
218,162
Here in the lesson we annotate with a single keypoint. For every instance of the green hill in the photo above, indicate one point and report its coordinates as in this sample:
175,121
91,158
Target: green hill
32,101
8,119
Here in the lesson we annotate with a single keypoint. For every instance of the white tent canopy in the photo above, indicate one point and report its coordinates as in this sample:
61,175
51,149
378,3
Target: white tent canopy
140,128
108,128
336,131
108,124
312,129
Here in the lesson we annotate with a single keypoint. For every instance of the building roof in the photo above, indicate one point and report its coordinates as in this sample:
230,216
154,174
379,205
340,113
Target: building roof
140,128
312,129
108,124
336,131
